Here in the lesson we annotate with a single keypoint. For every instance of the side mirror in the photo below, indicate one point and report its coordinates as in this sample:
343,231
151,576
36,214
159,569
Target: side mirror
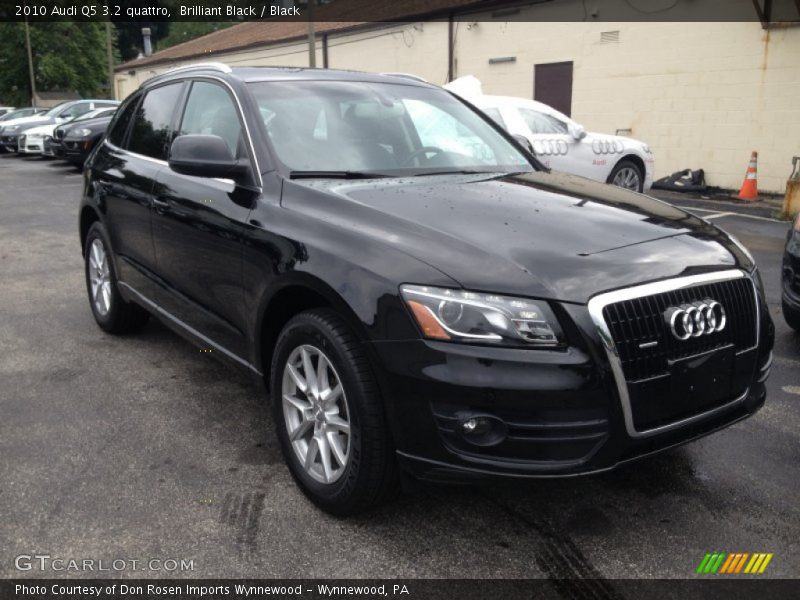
577,131
204,156
523,141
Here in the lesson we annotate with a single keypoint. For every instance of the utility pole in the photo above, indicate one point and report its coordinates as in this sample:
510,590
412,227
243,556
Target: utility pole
30,62
110,58
312,41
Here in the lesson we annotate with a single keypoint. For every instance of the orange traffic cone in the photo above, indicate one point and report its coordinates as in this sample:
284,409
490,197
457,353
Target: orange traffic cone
749,189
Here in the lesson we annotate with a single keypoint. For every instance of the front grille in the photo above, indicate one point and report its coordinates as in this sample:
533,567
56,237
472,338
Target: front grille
640,321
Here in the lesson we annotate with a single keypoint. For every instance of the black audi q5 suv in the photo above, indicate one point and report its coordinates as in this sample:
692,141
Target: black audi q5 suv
417,293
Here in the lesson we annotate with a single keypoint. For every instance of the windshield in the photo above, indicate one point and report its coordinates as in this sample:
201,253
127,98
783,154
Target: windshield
379,128
55,110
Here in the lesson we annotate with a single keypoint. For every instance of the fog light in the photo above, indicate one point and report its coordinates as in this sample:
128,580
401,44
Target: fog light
476,426
482,430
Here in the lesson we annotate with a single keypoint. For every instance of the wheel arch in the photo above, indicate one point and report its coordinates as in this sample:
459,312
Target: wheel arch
295,294
88,216
630,157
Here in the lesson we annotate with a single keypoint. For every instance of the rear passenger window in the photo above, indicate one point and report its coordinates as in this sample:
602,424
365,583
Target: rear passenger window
117,133
152,122
210,111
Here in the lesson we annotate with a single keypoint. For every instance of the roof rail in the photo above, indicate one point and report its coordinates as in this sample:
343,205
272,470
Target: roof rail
209,65
407,76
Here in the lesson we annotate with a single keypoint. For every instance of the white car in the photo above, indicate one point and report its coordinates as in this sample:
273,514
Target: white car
32,140
561,143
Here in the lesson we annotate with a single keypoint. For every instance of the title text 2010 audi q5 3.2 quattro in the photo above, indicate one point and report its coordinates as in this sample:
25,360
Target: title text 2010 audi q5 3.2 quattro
416,291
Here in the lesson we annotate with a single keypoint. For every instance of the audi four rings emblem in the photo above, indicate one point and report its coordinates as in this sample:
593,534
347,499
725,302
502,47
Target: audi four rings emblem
695,319
607,146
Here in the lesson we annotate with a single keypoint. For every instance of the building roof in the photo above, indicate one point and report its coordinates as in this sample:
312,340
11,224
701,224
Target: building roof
254,34
58,95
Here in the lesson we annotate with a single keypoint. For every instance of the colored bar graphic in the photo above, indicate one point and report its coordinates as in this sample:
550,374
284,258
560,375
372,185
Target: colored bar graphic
765,563
718,563
741,562
729,562
703,563
722,563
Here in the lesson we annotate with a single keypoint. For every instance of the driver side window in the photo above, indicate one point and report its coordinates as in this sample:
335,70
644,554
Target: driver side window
210,111
539,122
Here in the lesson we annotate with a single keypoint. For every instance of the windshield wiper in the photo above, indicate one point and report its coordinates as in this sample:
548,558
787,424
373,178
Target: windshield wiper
455,172
335,175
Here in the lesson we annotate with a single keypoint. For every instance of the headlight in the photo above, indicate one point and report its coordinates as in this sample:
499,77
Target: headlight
11,128
83,132
646,149
459,315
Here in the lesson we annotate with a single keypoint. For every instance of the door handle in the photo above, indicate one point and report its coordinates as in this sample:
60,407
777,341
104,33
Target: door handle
159,204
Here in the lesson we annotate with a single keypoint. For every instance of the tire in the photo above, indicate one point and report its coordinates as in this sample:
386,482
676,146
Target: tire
626,171
791,316
119,316
368,475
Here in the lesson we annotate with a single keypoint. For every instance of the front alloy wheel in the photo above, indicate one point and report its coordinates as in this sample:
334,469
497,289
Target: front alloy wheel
628,176
316,414
329,415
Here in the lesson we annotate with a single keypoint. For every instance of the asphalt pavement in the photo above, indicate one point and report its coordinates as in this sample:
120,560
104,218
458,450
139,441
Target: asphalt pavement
140,447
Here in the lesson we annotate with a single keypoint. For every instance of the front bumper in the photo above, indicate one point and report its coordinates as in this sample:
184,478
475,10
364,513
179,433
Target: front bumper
28,145
10,142
76,151
559,412
790,276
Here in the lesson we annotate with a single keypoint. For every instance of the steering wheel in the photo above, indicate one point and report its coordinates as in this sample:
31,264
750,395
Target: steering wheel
421,151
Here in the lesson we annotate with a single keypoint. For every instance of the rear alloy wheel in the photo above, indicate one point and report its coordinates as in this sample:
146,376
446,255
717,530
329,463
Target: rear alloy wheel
111,312
627,175
329,415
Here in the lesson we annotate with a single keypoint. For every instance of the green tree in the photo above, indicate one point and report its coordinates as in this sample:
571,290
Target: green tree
67,56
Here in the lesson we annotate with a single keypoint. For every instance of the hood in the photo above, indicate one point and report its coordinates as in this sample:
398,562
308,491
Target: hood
99,123
546,235
25,121
41,129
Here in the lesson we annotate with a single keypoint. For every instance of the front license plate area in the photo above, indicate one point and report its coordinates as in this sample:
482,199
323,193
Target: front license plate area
703,381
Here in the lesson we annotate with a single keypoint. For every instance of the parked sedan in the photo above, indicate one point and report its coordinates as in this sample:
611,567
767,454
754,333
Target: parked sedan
563,144
80,138
9,135
48,132
791,277
19,113
33,140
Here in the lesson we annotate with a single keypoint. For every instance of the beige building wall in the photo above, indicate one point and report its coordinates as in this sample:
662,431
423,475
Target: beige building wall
703,95
416,48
